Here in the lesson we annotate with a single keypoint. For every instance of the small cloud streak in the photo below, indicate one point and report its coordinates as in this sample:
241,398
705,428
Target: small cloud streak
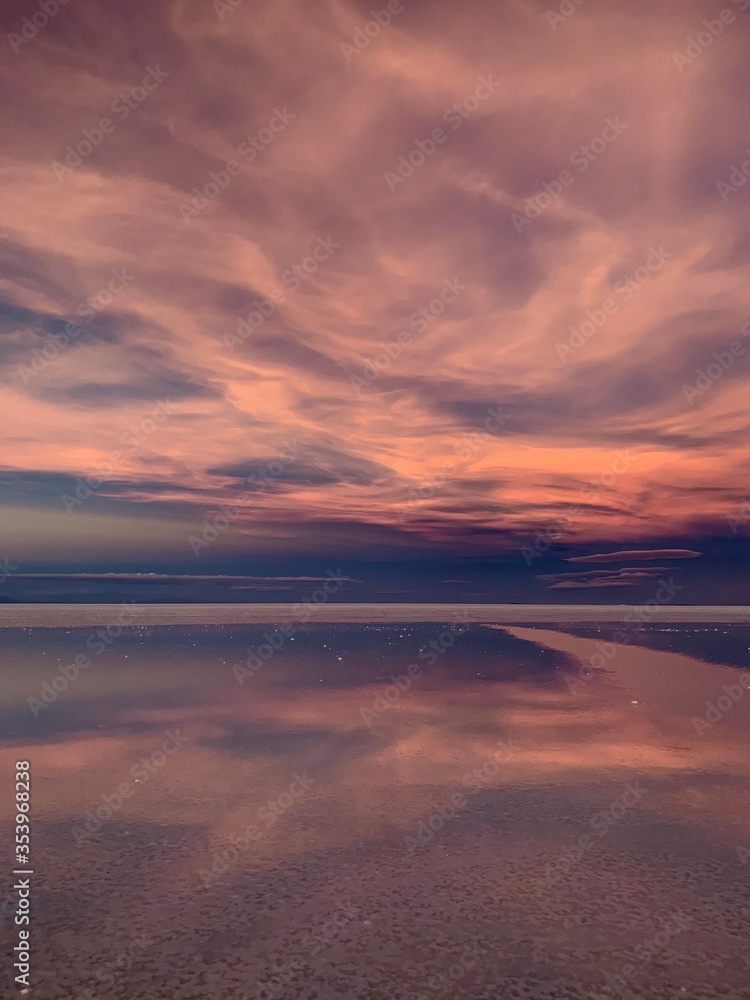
635,555
593,578
249,581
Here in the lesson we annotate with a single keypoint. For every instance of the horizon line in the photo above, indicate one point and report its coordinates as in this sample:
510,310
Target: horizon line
130,614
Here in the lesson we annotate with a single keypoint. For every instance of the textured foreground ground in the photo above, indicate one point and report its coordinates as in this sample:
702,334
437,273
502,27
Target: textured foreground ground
513,823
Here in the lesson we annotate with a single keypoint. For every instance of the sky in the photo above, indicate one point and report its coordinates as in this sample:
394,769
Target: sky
443,298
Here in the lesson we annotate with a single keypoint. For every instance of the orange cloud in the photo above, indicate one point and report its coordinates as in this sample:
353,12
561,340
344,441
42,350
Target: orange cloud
278,144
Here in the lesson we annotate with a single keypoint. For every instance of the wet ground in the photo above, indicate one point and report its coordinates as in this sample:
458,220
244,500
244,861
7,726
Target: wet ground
382,812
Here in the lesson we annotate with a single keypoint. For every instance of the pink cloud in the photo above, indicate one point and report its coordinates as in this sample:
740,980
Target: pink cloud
361,310
635,554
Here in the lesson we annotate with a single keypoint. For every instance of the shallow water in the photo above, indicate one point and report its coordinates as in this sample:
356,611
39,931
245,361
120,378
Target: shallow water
383,811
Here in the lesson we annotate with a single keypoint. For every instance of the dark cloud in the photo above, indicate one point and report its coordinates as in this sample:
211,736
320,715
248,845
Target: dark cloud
93,395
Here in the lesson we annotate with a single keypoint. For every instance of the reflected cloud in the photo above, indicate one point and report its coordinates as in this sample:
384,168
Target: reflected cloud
281,802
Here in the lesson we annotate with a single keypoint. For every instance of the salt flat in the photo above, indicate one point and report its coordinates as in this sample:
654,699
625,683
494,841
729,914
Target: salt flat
533,815
84,615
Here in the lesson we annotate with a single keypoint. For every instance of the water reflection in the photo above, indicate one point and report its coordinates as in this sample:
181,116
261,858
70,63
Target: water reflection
338,823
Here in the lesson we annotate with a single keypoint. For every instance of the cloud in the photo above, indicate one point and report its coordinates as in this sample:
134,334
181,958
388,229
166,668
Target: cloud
432,371
592,574
160,578
625,577
635,554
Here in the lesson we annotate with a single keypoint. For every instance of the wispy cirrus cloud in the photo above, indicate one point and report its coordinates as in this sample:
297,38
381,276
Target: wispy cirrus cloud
324,177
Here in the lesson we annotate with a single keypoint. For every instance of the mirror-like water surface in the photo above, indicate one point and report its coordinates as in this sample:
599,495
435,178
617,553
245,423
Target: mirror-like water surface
383,811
